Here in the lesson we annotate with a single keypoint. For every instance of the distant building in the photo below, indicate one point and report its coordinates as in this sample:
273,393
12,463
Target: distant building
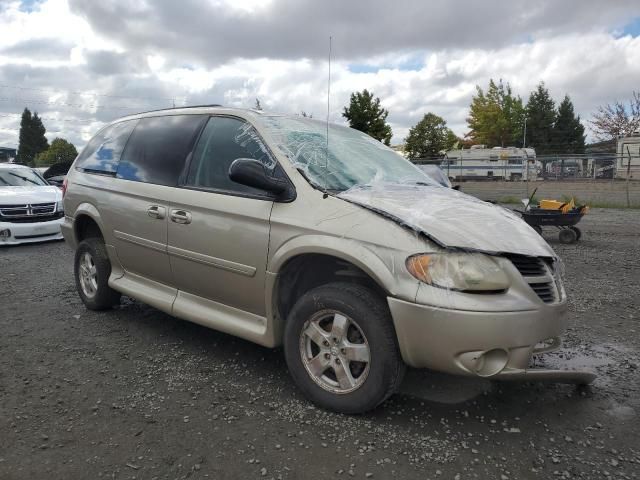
7,154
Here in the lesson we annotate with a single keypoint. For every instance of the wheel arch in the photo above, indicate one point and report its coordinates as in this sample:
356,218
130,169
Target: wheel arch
87,223
305,263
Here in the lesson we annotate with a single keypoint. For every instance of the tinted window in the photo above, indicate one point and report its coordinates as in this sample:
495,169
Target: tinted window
158,147
103,151
224,140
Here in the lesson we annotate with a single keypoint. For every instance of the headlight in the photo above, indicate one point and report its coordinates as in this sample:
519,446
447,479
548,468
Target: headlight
473,272
59,207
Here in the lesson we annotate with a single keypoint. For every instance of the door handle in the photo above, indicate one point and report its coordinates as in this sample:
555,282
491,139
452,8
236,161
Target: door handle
180,216
155,211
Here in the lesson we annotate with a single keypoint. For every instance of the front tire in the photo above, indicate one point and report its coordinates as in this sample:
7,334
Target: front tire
341,348
92,269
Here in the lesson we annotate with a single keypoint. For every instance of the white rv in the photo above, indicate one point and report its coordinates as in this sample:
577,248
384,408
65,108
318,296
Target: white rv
628,157
498,163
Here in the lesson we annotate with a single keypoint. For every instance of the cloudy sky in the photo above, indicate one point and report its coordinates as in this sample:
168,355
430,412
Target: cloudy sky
81,63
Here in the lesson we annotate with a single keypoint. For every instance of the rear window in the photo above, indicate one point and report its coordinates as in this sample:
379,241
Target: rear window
103,151
158,147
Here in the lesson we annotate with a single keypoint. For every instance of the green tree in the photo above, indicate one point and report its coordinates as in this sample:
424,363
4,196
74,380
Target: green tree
59,151
568,132
496,117
365,114
32,139
541,118
429,137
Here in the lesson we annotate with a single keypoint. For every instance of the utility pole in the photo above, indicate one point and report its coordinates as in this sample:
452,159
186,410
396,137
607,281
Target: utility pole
524,136
628,175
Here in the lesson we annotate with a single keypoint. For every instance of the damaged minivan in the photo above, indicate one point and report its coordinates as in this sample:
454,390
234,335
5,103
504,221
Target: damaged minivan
284,230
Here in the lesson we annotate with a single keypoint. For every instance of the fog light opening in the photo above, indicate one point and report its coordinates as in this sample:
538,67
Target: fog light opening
491,362
4,234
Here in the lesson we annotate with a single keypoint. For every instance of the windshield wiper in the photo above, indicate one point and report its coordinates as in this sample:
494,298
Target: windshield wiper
23,178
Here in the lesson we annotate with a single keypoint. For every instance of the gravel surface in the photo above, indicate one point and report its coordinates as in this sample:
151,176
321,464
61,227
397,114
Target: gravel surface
134,393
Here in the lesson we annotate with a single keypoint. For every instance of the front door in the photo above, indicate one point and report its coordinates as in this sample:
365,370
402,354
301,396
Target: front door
218,229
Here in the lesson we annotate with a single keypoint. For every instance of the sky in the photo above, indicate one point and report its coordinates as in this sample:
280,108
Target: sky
83,63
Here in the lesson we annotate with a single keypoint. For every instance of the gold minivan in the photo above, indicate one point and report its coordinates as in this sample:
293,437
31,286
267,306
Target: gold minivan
284,230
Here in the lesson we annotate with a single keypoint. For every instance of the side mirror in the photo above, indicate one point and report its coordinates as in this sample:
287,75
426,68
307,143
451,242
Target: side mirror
456,187
253,173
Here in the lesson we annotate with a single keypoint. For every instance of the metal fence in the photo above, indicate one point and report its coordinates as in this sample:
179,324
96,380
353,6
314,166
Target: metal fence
596,166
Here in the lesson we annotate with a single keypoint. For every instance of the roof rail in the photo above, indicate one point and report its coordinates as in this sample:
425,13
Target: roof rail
180,108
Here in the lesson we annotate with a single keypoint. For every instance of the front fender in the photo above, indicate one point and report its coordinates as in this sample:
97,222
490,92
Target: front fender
345,249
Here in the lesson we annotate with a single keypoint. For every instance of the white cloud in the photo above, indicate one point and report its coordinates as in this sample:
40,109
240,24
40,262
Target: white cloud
92,71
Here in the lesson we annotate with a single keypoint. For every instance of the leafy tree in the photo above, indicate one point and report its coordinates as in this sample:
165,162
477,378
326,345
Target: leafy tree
429,137
32,139
366,114
59,151
541,118
496,117
616,119
568,132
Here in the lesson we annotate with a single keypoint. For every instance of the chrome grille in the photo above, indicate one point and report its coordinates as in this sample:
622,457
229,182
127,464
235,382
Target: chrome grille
539,274
528,266
545,291
27,212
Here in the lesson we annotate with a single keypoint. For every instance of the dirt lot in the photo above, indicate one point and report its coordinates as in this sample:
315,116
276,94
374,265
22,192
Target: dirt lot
134,393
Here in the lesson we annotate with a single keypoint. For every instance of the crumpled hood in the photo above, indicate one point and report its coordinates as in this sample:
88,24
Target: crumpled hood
452,219
29,195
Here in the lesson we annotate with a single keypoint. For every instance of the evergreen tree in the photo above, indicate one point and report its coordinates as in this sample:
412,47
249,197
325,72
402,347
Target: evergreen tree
25,151
32,139
496,117
366,114
541,118
429,137
39,140
568,132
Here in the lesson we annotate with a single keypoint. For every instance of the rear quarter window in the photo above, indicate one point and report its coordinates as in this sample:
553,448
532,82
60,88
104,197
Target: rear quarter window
158,147
102,153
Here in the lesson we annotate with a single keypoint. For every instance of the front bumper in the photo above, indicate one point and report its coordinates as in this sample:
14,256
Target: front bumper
31,232
464,342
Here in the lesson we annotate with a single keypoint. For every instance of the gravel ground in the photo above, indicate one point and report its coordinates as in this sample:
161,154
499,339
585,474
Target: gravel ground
134,393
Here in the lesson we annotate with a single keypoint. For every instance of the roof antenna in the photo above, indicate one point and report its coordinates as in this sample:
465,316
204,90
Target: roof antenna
326,163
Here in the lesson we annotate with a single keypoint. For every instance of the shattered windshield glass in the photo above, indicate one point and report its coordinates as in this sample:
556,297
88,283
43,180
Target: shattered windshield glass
350,158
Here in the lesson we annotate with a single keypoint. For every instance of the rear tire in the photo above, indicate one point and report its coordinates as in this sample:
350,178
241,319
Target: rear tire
567,235
92,269
341,348
578,232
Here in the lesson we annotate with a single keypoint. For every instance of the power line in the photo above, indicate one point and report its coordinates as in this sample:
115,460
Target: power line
54,119
80,106
70,92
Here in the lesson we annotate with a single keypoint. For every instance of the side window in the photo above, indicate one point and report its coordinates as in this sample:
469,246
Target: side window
158,148
103,151
224,140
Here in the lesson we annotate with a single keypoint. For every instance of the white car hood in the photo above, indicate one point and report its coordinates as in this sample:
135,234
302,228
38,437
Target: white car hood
29,195
452,219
